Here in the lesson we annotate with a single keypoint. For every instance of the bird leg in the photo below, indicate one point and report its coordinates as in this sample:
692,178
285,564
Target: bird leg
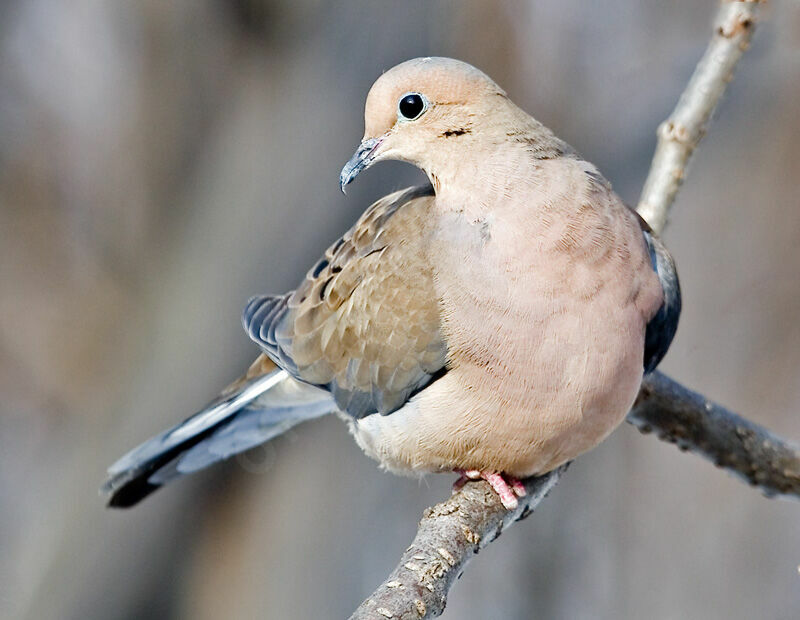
507,487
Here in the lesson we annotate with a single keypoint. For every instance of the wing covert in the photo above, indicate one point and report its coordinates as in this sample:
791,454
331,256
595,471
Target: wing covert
365,321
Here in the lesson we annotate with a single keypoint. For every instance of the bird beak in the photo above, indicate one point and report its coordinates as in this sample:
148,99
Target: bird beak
363,158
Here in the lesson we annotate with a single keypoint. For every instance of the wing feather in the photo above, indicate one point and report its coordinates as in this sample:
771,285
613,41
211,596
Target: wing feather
347,326
662,327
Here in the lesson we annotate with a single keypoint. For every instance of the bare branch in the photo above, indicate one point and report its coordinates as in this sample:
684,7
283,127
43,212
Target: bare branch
681,132
694,423
449,535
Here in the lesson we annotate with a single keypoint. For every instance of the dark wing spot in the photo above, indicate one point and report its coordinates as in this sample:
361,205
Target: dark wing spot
319,267
322,289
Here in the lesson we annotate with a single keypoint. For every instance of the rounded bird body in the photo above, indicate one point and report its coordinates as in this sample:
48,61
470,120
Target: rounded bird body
543,307
496,322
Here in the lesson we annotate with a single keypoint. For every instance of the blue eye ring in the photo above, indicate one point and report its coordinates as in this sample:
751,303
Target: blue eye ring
411,106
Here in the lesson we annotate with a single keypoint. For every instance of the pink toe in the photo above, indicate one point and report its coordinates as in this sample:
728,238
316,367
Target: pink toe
517,487
500,486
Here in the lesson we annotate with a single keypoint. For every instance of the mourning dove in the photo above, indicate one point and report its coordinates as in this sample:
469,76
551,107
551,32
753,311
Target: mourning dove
496,323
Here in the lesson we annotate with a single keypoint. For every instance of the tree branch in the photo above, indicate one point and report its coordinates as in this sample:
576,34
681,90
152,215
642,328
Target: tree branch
688,419
682,131
452,532
449,535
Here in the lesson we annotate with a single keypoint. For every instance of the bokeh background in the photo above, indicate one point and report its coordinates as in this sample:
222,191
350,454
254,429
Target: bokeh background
162,161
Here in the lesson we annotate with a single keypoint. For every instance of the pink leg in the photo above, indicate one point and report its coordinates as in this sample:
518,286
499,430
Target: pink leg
501,487
508,488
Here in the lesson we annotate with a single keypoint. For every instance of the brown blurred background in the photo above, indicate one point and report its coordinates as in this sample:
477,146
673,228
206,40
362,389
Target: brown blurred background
162,161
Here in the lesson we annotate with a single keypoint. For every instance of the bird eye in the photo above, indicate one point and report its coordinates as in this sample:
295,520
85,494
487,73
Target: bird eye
411,106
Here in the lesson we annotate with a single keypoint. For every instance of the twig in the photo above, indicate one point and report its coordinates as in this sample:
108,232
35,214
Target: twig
694,423
450,533
681,132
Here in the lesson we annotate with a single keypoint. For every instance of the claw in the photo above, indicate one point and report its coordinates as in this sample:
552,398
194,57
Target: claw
517,487
462,480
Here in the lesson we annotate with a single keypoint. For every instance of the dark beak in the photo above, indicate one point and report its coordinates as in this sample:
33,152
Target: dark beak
363,158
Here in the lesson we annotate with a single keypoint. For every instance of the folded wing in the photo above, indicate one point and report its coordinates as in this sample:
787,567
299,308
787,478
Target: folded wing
365,322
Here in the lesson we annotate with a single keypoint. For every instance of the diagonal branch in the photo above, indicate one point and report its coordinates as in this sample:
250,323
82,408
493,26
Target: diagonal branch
747,450
680,134
450,533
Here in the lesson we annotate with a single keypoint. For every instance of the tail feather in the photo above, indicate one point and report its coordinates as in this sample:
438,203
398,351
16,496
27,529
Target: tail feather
251,411
270,415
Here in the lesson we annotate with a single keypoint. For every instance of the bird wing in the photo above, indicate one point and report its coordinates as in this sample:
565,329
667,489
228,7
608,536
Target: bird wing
662,327
365,321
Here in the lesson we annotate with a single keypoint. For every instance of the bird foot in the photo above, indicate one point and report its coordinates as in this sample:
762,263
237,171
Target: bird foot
507,487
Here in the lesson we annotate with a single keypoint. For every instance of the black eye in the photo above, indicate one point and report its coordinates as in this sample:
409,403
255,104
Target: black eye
411,106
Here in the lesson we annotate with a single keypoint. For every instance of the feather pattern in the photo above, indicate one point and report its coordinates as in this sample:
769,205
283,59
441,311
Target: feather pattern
364,323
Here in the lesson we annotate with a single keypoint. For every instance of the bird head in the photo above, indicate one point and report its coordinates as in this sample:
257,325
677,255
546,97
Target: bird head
419,110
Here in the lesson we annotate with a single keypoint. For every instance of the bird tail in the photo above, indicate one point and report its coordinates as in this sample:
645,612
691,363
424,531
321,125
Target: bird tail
261,405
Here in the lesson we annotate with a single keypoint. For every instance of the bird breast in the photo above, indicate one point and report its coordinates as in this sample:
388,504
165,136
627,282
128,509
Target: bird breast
543,307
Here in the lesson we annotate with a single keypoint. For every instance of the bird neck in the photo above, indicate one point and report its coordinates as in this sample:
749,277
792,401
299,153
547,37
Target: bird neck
471,171
476,184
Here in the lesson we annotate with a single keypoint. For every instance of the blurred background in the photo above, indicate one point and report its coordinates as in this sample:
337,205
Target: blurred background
160,162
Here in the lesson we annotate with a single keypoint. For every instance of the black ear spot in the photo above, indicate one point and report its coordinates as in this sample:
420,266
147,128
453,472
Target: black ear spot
456,132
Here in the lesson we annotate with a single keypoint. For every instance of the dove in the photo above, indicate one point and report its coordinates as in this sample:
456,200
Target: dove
496,322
